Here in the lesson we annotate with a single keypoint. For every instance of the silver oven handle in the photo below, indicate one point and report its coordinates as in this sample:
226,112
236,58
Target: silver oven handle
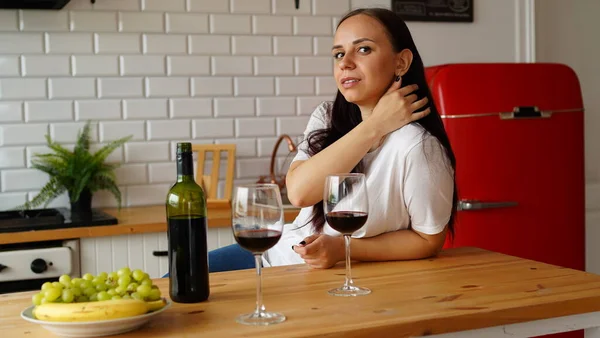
477,205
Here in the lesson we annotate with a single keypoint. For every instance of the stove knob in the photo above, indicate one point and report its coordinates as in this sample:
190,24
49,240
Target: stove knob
2,267
39,265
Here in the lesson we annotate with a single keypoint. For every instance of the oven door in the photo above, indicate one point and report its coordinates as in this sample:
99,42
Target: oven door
25,267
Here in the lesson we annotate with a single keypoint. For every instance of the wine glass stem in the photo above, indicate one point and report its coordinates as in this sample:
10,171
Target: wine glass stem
349,281
260,308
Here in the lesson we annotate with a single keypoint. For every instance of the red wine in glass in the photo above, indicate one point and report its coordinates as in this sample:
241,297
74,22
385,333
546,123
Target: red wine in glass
257,223
346,222
346,206
257,241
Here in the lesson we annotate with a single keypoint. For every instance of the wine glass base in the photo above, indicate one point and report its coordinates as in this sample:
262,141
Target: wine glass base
260,318
349,291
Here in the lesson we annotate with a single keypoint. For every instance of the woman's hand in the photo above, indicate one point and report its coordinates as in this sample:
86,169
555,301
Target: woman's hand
396,108
321,251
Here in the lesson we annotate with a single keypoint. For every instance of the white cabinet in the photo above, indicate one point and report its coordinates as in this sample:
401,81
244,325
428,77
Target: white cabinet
110,253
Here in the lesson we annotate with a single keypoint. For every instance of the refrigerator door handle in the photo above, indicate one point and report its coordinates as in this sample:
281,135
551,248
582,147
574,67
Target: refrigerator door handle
532,112
477,205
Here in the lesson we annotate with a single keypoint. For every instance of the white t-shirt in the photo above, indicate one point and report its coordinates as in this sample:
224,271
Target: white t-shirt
409,185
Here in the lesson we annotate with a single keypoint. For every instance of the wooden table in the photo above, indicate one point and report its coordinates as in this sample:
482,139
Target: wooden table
461,289
132,220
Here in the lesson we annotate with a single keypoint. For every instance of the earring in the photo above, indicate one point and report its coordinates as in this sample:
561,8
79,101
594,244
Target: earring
397,78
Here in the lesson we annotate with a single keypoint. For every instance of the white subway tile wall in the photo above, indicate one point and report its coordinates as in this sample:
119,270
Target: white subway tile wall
64,87
186,23
67,132
209,6
11,111
230,24
83,21
112,43
250,6
48,111
21,88
143,109
276,106
124,5
204,71
209,44
46,65
141,22
162,5
248,86
39,20
22,179
31,151
12,157
67,43
293,45
232,107
95,65
272,25
188,65
17,43
8,20
142,65
252,45
98,110
9,65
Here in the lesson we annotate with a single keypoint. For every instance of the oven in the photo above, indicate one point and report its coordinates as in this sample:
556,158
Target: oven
26,266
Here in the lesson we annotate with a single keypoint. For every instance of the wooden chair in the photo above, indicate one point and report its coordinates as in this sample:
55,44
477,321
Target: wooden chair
210,182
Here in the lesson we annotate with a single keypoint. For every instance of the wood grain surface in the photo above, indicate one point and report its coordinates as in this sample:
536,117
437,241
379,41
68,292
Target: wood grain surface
133,220
465,288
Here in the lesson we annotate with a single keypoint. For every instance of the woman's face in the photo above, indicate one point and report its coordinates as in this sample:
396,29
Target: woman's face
365,62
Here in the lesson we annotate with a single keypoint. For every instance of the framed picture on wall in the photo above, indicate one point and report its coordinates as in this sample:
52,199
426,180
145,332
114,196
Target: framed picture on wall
434,10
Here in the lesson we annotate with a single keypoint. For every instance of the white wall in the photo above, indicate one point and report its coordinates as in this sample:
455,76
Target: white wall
499,33
567,32
241,71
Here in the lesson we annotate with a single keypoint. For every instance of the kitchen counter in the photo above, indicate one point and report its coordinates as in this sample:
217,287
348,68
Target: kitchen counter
132,220
460,290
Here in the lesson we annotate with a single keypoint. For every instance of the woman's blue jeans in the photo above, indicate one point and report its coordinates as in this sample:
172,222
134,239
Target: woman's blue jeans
228,258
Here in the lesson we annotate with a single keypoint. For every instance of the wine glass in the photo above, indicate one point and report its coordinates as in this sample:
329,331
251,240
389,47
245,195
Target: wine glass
257,214
346,210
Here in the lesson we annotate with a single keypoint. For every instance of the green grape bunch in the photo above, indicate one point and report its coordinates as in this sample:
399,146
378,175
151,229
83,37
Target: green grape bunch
120,284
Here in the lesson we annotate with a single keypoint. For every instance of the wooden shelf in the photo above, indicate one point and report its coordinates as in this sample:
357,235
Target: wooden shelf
133,220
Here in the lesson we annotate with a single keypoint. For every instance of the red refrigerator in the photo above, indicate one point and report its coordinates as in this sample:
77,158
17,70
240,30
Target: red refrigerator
517,133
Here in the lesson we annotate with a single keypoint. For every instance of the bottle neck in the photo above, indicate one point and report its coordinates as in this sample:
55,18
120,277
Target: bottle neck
185,167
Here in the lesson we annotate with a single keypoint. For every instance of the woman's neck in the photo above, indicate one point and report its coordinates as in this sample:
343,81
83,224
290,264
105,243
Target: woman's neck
365,112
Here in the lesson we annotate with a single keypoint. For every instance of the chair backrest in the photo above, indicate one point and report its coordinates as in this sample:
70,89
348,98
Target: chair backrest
210,182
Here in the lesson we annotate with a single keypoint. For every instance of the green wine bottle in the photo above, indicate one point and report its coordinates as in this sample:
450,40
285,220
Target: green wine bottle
187,228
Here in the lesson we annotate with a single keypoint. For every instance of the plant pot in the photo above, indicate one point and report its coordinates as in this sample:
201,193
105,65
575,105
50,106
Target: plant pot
83,206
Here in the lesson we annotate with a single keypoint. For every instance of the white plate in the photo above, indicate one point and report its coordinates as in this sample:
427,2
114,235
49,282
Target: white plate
95,328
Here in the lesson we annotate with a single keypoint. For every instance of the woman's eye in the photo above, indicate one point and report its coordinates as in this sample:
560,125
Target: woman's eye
364,49
338,55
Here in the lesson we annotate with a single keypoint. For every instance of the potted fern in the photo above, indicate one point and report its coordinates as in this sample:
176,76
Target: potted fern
79,172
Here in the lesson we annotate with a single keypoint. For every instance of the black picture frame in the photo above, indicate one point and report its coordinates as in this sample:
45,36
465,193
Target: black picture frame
434,10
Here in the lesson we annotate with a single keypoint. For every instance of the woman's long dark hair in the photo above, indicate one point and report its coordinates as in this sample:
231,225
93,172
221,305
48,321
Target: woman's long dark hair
345,115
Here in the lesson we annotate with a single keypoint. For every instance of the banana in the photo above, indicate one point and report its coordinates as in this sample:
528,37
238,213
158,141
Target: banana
94,311
156,305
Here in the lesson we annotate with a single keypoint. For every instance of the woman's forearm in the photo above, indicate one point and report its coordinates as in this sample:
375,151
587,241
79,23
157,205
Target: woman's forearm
397,245
306,181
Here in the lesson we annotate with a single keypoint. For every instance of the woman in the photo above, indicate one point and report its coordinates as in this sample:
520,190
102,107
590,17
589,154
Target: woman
383,123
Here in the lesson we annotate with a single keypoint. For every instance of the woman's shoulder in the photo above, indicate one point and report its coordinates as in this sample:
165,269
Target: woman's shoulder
323,110
409,135
408,138
321,116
